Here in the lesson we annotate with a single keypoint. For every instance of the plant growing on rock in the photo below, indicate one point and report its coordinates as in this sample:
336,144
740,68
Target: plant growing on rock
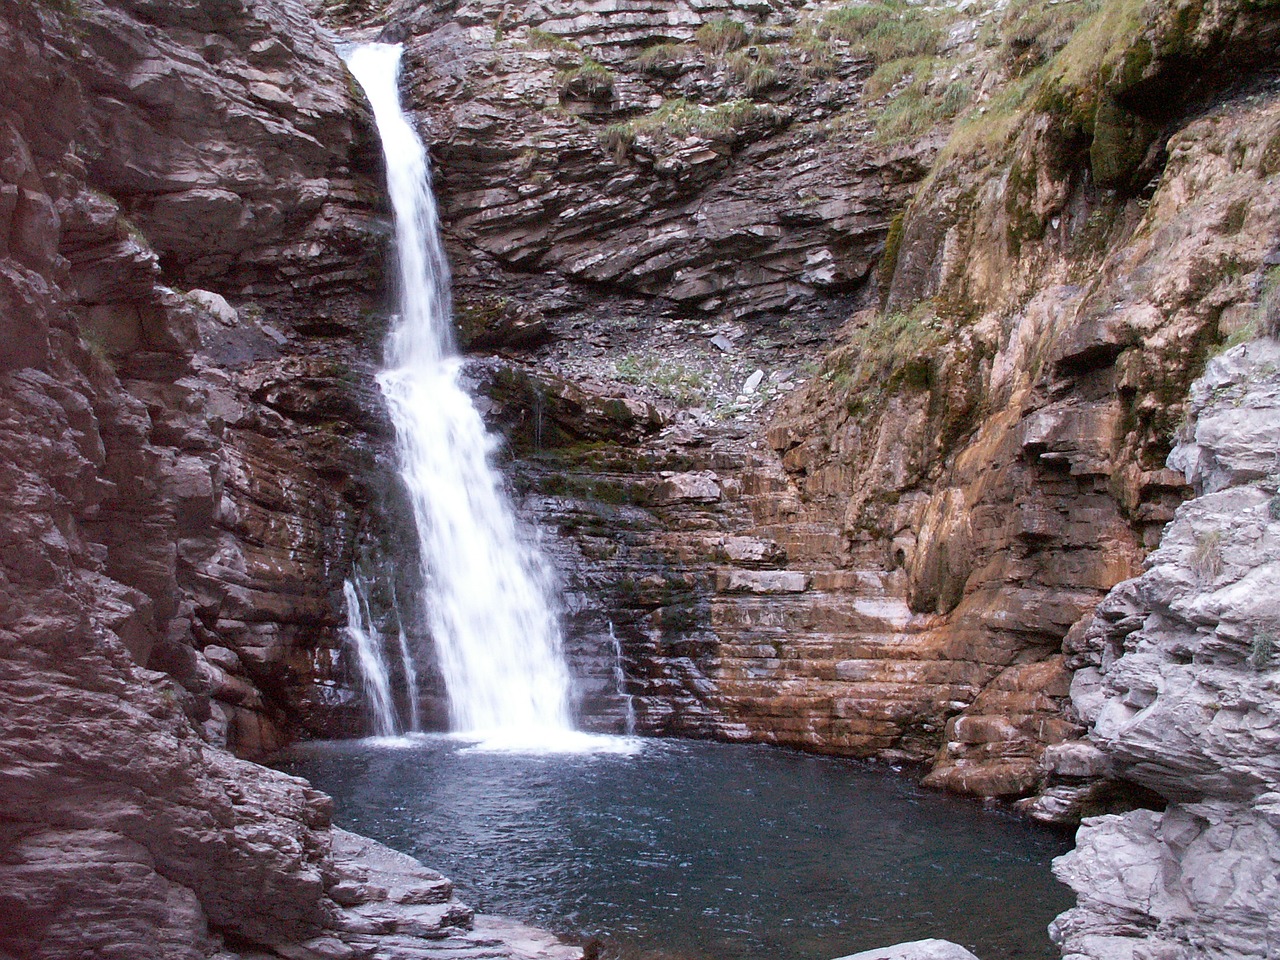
1262,656
1206,555
813,54
678,119
892,350
1031,32
754,68
546,40
663,60
884,31
919,108
590,81
718,37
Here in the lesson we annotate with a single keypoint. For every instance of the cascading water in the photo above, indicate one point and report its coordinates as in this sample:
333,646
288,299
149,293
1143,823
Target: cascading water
487,591
620,684
374,676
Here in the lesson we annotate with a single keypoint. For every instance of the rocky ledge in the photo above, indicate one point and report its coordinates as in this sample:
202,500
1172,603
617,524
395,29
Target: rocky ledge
1178,677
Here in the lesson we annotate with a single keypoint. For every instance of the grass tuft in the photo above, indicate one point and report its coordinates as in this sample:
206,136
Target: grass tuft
719,37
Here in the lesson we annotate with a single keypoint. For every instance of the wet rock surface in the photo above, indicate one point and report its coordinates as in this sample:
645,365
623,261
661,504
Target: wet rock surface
185,475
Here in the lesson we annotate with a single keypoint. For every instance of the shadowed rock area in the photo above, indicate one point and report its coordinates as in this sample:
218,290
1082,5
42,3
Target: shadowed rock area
182,486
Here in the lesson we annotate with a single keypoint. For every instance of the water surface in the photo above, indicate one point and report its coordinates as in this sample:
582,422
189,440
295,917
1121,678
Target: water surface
703,851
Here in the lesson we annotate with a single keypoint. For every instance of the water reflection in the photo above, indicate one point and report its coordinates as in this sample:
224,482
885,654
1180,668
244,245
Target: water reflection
704,851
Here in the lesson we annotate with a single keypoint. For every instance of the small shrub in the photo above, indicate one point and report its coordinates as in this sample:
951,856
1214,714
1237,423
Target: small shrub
661,60
590,81
618,138
1263,654
718,37
546,40
1273,508
1206,555
754,67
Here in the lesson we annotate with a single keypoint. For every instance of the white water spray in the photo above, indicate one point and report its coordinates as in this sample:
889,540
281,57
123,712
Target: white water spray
487,591
620,684
374,676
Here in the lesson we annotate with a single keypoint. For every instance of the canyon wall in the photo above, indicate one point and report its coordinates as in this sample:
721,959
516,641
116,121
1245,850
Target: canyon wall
183,486
975,336
1176,677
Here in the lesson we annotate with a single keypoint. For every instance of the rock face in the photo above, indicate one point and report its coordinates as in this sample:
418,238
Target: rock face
1177,680
881,556
916,950
182,486
193,262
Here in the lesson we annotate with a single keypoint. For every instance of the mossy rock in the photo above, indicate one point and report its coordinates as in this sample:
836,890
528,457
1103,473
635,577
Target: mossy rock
1120,143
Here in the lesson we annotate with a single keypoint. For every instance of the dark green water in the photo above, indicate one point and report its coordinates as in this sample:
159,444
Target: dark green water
703,851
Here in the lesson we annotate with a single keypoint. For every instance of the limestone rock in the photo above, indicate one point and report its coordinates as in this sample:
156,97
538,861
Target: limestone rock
916,950
1184,701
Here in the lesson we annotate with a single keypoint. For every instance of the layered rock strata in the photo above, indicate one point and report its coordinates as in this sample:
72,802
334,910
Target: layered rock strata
1176,677
887,562
182,483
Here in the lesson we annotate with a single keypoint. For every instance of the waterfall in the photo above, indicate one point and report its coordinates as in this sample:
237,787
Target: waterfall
620,683
488,590
374,677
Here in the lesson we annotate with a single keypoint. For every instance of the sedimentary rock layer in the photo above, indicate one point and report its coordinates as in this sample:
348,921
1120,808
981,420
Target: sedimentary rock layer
181,489
1176,676
885,563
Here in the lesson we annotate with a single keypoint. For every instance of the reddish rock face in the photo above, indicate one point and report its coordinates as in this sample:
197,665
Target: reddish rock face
172,483
969,469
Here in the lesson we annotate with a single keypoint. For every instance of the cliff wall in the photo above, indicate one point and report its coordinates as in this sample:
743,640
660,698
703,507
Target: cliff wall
1012,237
183,485
1176,677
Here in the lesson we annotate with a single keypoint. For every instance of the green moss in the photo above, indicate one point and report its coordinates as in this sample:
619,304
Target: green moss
1120,142
1019,196
892,247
